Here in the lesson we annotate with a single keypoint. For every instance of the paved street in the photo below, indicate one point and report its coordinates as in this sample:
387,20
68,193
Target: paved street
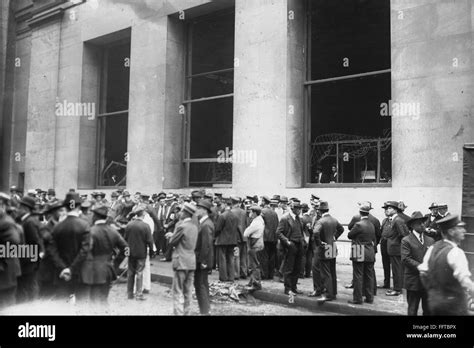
159,302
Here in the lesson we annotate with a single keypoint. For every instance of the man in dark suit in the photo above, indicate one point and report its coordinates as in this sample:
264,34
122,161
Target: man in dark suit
47,271
10,269
363,239
28,285
290,234
98,270
393,230
414,247
138,236
307,260
270,239
241,264
378,235
204,255
431,224
325,233
226,237
69,247
170,220
184,240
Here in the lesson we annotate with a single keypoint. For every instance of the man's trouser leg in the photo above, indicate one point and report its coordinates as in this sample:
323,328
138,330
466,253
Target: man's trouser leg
131,272
288,266
309,261
222,262
262,258
316,272
201,284
413,299
28,287
368,282
230,263
385,263
326,277
357,280
396,263
272,250
254,265
188,290
297,266
236,259
243,252
178,292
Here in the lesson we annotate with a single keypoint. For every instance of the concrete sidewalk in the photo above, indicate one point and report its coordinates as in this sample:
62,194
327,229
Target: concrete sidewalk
272,291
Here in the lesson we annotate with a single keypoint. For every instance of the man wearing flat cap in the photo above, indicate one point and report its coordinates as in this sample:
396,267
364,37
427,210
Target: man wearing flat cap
97,270
184,240
204,255
254,234
69,247
241,262
270,239
445,271
325,233
290,234
414,247
28,286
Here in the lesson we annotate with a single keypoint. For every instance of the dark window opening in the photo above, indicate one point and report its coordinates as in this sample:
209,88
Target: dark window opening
113,119
348,79
209,99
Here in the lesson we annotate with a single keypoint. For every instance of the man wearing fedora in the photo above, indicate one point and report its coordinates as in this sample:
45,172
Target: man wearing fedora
226,238
28,286
170,219
326,231
139,238
445,271
204,255
254,234
55,212
363,239
290,234
378,234
414,247
184,240
69,247
393,230
432,228
97,270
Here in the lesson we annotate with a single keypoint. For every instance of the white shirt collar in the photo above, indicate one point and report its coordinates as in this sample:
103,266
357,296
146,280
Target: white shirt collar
74,213
187,219
292,214
100,222
201,220
325,214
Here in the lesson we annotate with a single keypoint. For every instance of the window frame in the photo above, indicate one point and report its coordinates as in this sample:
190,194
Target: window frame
307,86
189,101
102,115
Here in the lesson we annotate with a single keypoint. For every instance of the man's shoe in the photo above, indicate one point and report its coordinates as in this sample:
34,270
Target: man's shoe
298,292
314,294
379,286
354,302
392,293
349,286
322,299
140,298
369,301
146,292
130,297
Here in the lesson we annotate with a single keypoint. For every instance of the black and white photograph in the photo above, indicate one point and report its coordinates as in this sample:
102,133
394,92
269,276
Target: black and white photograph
297,160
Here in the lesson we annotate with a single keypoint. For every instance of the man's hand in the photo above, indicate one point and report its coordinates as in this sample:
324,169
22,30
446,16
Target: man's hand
168,235
65,274
203,266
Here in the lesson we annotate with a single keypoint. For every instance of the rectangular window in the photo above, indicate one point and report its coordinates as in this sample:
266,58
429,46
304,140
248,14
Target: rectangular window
209,99
113,116
348,79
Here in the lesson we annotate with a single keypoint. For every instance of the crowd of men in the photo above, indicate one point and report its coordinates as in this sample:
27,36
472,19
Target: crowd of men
84,243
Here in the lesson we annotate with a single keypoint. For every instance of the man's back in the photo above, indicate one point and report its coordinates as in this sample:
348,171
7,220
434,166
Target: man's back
242,219
271,224
138,236
184,240
227,229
